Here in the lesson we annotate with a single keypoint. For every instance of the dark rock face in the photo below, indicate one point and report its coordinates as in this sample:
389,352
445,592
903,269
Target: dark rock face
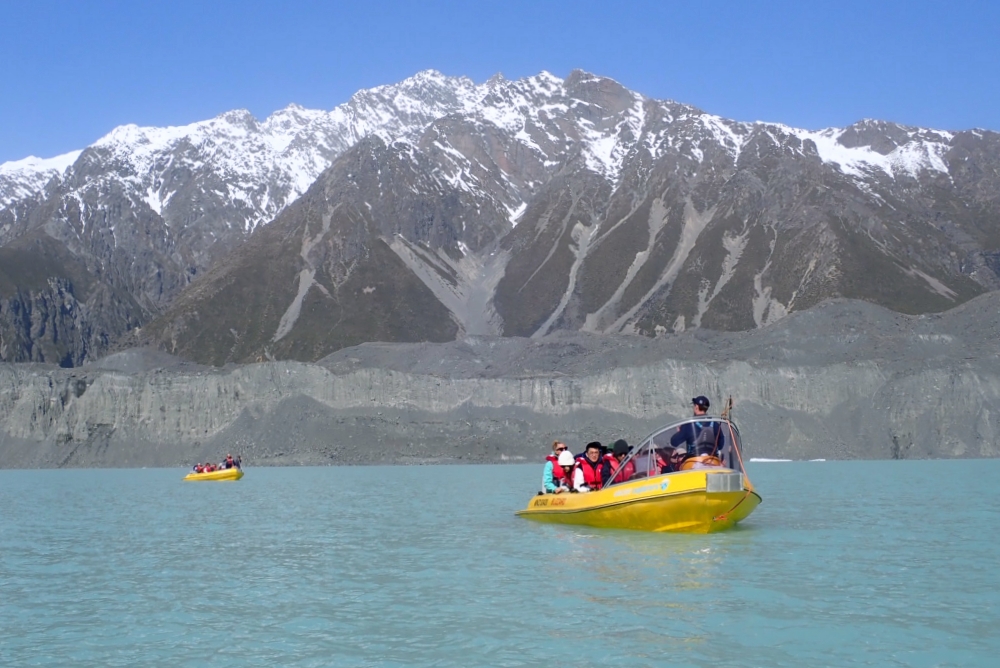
843,380
437,208
53,310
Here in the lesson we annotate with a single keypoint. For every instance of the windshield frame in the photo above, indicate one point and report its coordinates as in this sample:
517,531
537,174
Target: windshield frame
729,429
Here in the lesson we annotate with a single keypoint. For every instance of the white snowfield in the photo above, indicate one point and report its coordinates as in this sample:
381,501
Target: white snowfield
25,177
263,166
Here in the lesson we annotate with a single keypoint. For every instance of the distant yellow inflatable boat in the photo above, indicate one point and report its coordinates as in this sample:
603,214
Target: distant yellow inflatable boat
709,494
221,474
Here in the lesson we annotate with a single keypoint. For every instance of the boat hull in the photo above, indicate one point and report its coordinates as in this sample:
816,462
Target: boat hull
222,474
687,501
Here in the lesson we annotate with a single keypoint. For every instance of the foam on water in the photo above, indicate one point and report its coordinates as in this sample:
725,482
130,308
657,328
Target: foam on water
885,563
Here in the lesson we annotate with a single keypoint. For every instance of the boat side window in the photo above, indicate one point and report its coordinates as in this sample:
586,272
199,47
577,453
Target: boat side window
634,466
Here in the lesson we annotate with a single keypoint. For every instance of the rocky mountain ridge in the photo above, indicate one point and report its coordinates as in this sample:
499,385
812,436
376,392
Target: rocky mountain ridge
438,208
843,380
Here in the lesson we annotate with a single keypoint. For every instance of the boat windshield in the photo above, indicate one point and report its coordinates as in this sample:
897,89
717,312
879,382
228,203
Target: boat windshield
702,442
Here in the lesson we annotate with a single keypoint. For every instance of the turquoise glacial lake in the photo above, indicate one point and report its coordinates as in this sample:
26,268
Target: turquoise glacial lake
844,564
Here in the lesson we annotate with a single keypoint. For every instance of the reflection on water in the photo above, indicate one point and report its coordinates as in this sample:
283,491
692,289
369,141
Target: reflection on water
843,564
656,585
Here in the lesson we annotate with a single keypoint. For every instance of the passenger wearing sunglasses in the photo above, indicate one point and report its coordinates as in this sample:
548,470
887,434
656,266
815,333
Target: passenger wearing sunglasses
677,458
554,480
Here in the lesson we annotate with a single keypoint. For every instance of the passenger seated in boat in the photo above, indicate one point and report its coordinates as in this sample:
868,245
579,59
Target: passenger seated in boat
587,476
648,463
569,469
612,470
677,458
702,437
663,460
554,480
197,468
230,463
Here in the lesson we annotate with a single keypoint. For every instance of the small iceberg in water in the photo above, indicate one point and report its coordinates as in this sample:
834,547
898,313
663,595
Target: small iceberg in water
765,460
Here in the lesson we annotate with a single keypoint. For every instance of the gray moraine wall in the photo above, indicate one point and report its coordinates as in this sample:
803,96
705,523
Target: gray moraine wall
845,380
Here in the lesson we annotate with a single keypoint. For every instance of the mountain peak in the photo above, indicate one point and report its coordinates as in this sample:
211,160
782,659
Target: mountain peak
35,164
506,207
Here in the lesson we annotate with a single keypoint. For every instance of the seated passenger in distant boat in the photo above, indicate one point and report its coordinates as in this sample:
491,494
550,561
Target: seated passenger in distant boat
197,468
554,480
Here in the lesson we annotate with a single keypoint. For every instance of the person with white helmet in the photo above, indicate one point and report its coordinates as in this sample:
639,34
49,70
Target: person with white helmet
570,470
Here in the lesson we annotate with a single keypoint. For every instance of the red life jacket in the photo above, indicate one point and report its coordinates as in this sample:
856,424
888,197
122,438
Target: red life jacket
619,476
557,472
199,469
591,472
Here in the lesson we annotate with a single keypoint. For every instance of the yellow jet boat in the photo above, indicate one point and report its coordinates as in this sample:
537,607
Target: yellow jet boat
710,493
234,473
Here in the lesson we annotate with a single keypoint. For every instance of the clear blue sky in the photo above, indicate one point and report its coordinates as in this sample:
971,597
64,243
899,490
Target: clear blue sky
72,70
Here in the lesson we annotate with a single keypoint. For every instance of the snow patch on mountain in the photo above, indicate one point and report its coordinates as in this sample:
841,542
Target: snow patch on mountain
33,164
25,177
915,156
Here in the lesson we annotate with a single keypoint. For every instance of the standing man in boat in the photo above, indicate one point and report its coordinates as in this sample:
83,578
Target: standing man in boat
703,437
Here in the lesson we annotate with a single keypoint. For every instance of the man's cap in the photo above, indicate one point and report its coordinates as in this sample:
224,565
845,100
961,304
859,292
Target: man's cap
701,402
566,458
621,447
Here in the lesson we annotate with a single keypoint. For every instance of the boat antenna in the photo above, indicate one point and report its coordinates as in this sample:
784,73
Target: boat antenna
727,415
729,407
726,412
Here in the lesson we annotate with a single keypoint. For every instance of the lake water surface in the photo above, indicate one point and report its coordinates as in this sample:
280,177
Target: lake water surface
844,564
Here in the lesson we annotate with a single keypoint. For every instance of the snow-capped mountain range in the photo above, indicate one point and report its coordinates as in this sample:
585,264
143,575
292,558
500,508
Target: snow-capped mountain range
633,214
289,149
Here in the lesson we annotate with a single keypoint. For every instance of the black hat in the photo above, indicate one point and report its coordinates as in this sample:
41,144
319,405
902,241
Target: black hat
621,447
701,402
